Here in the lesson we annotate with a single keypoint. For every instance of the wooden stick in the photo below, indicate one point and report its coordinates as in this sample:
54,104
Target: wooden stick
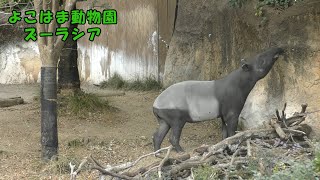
303,107
105,172
128,165
234,155
248,148
163,161
278,129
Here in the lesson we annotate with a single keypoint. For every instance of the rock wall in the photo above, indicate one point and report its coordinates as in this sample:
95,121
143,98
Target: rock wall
211,37
20,63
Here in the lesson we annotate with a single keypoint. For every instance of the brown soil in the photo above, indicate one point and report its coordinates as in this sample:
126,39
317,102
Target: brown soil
112,136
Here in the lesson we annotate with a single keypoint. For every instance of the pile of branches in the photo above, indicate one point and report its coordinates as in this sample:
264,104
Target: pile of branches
279,132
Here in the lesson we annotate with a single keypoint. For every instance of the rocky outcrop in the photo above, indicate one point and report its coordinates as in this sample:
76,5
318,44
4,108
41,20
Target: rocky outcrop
211,37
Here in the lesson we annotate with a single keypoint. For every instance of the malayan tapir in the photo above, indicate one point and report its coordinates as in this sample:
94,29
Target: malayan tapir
196,101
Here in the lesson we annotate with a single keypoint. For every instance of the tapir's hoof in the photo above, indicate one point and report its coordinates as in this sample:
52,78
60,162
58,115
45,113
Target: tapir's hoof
159,154
179,149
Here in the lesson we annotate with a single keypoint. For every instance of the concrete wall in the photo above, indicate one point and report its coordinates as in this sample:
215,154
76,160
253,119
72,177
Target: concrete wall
129,48
19,63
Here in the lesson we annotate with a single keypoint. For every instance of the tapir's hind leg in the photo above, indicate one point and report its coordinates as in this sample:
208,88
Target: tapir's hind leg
176,133
159,135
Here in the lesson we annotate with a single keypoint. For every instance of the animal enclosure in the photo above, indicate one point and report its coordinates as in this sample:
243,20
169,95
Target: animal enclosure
134,48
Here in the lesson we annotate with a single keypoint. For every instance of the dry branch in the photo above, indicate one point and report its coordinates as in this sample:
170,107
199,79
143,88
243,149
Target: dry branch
202,149
216,156
233,156
296,119
163,161
127,165
303,107
278,129
73,173
100,168
240,137
248,148
172,160
110,173
192,164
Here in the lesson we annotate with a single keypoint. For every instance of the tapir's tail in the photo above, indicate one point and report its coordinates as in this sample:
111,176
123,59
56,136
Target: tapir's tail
155,113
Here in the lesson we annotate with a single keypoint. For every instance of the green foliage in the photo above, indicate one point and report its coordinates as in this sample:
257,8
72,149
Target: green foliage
237,3
117,82
114,82
147,84
76,143
9,5
205,172
62,166
296,171
316,162
260,3
282,4
83,103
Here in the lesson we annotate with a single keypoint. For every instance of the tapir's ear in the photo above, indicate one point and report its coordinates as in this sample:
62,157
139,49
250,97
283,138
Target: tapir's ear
244,65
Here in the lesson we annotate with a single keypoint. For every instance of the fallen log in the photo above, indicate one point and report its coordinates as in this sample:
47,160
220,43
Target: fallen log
7,102
109,94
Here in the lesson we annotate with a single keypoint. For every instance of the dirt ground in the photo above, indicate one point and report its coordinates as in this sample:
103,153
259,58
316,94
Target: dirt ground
111,137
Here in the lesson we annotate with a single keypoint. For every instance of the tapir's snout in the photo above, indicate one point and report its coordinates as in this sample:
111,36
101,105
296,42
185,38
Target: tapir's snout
278,51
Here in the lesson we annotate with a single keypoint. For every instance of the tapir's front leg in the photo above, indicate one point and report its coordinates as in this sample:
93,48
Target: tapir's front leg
231,122
224,129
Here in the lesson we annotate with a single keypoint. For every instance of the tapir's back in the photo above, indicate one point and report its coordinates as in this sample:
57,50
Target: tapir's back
197,97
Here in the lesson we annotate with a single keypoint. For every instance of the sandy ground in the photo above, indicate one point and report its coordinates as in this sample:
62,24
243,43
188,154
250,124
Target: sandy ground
112,136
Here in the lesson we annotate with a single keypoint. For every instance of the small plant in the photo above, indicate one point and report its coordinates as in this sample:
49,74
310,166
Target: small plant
151,84
261,4
237,3
117,82
282,4
316,162
205,172
82,103
147,84
297,170
279,167
76,143
61,165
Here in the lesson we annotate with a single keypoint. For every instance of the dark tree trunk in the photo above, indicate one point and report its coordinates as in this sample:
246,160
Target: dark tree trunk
49,134
67,68
50,50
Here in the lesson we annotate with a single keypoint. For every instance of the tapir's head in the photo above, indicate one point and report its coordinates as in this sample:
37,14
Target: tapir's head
260,65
